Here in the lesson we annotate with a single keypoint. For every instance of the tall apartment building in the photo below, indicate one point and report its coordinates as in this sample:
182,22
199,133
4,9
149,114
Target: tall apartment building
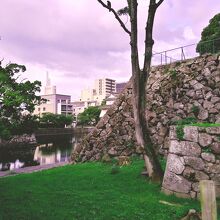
105,87
102,88
55,103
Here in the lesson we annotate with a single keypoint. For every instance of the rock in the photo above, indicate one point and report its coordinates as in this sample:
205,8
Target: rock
176,183
178,106
206,72
215,168
216,148
191,133
190,93
208,95
194,175
112,152
184,148
194,162
175,164
172,134
208,157
205,139
213,130
207,104
215,99
203,114
216,178
195,187
198,86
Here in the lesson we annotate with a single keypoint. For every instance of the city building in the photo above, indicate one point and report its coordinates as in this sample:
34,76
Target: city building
102,88
109,101
79,106
55,103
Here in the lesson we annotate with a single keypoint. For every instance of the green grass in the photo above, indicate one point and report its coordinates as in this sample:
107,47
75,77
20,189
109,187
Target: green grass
88,192
204,124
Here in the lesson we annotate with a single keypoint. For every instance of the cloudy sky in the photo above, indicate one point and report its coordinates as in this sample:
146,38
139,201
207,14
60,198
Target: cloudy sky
77,41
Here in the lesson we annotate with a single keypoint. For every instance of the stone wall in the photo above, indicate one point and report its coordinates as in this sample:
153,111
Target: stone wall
19,139
193,158
183,89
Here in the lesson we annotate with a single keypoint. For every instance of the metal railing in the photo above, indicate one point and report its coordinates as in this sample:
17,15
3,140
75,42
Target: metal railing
185,52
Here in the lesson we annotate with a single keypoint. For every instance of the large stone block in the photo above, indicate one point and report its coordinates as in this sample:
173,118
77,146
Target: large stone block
185,148
208,157
205,139
175,164
191,133
213,130
176,183
194,162
203,114
216,147
194,175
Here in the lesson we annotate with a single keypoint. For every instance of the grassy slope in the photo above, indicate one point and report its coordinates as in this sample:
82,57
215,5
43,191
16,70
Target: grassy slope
87,191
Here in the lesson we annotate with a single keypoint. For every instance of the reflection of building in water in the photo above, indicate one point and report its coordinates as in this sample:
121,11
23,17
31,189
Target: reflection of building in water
53,157
16,165
11,165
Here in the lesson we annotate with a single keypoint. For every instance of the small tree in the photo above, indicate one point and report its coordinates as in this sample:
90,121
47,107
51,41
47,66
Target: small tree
210,37
50,120
140,78
15,97
90,116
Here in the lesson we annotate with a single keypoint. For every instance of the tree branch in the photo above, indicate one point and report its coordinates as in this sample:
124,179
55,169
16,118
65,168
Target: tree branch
159,3
116,16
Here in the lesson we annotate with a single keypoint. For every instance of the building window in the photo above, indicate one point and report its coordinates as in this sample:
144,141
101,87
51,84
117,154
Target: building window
44,109
39,109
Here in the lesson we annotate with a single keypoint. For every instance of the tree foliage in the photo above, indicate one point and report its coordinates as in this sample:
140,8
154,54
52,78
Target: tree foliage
16,97
50,120
90,116
210,37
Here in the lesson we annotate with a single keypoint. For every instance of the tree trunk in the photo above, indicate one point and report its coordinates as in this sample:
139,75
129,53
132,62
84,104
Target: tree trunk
139,82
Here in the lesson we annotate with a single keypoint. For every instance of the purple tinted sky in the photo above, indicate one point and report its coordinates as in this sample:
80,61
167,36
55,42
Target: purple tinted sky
77,41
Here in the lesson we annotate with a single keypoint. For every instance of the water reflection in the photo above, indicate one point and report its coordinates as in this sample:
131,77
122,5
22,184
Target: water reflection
51,153
47,151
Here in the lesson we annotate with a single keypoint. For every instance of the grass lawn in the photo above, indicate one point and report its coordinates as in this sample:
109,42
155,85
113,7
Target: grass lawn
88,191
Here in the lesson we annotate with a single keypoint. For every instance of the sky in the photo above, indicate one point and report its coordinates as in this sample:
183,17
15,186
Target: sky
78,41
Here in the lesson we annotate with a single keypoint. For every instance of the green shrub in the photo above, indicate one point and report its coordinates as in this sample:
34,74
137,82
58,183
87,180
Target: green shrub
180,132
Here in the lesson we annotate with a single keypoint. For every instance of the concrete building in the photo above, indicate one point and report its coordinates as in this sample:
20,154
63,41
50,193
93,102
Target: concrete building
79,106
102,89
109,101
55,103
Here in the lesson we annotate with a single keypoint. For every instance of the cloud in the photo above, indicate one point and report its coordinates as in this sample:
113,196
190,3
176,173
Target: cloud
78,41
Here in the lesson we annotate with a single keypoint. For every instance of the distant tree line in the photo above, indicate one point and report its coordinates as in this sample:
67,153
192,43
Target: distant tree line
210,37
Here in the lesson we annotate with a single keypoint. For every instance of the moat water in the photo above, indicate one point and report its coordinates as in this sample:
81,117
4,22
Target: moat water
49,150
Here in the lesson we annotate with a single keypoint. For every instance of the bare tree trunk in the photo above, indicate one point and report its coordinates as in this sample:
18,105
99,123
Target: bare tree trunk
139,82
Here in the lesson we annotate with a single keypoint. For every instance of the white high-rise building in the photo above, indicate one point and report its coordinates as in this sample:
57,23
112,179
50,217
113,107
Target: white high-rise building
105,87
102,89
49,89
55,103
